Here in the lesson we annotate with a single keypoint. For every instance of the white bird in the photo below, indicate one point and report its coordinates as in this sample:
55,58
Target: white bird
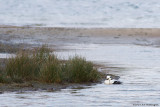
109,80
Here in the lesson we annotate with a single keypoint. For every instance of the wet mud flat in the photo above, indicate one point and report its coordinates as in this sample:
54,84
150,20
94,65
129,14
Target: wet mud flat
37,86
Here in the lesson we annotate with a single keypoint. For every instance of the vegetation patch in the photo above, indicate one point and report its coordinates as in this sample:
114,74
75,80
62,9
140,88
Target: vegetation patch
77,70
43,66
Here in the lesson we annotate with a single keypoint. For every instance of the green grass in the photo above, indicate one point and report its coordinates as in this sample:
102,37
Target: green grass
27,64
78,70
3,76
40,65
51,70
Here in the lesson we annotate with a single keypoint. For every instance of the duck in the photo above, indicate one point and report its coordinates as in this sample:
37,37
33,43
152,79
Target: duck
110,80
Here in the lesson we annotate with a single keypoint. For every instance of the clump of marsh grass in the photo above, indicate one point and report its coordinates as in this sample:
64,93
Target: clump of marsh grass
26,65
51,70
3,77
40,65
21,67
78,70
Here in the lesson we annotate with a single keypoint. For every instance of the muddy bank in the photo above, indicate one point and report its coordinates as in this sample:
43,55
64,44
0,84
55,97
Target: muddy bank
36,86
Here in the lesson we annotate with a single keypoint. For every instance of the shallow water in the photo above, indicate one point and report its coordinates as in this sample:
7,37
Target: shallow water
81,13
6,55
138,67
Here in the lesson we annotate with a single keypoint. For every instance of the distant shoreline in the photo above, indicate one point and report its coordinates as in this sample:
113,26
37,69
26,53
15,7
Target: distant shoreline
59,36
78,30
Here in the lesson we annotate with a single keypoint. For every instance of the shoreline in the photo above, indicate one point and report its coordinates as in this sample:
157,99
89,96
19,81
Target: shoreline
61,36
78,30
37,86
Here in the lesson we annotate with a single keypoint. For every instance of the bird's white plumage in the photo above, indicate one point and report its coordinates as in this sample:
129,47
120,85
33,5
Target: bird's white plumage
109,80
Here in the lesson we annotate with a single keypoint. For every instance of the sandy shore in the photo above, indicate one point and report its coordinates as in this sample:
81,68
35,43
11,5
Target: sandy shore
79,31
62,36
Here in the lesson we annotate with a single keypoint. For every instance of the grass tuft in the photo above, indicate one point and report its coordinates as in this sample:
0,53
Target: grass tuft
79,70
40,65
3,77
51,71
21,67
26,65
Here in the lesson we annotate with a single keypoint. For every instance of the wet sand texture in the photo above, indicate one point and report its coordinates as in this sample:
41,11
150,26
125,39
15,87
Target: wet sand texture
80,31
61,36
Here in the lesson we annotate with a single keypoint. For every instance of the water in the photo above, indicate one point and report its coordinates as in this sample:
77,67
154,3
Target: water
140,77
6,55
81,13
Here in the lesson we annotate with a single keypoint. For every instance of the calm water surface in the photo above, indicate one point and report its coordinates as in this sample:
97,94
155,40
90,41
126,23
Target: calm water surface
81,13
138,67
